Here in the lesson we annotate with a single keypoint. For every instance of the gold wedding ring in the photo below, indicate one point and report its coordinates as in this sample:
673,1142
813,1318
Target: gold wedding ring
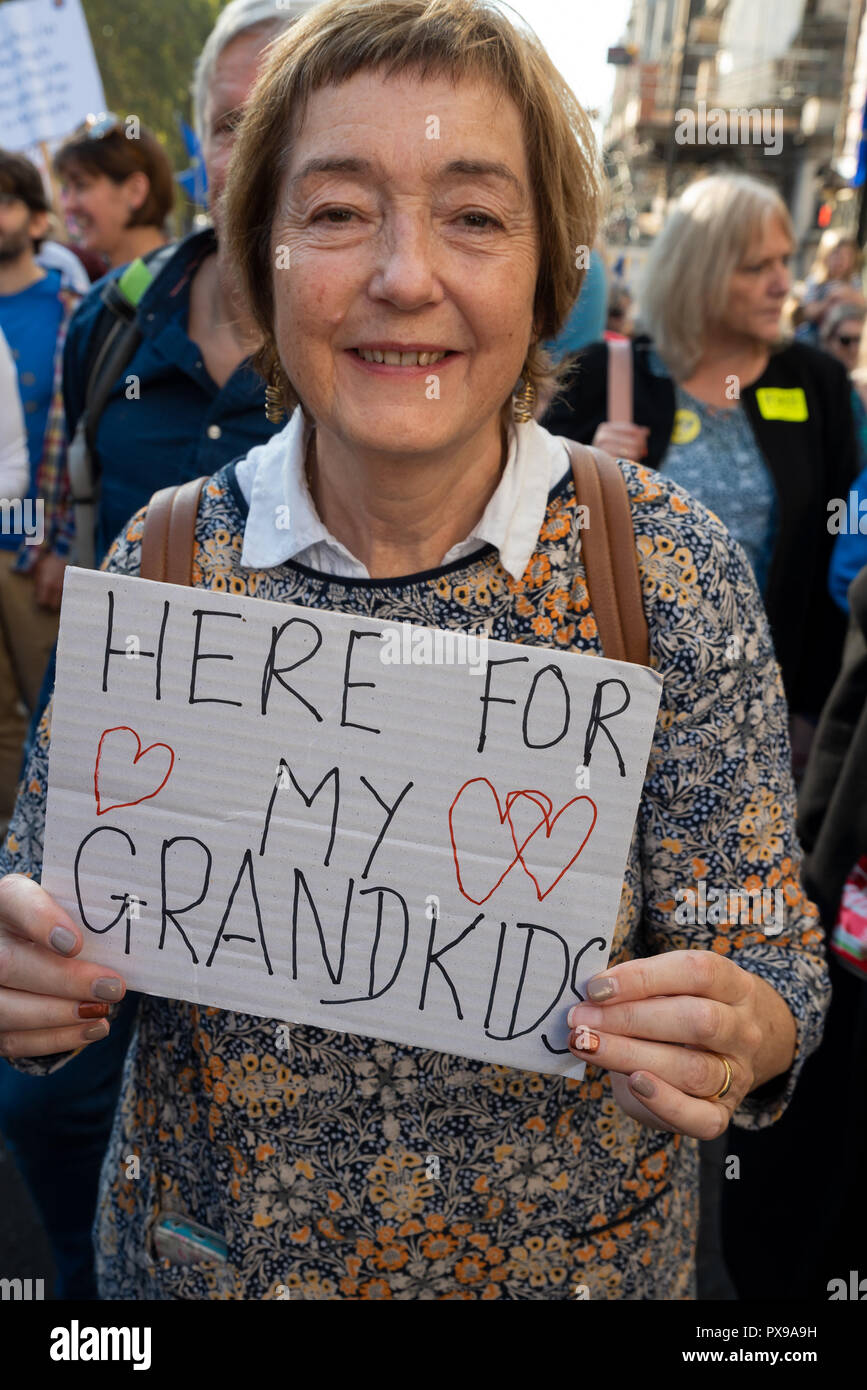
728,1081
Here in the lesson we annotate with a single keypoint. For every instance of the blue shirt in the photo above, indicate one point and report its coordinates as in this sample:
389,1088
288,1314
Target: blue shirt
30,320
174,422
714,454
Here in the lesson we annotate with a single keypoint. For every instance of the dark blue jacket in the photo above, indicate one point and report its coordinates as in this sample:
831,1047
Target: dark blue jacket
182,425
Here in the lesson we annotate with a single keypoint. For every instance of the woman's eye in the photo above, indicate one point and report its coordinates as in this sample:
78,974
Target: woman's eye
481,221
337,216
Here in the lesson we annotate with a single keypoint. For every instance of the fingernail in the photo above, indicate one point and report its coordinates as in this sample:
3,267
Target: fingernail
106,988
63,940
585,1040
96,1030
93,1010
602,988
642,1085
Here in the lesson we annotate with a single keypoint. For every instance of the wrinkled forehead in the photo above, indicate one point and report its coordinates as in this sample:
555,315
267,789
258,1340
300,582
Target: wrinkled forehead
410,120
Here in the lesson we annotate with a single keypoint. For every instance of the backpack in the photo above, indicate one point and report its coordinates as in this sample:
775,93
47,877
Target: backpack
115,340
608,549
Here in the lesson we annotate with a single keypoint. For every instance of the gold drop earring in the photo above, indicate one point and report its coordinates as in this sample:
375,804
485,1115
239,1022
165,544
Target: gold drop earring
275,410
524,401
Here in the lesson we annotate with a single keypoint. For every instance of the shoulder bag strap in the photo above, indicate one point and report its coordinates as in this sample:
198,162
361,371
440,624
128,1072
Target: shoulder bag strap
619,381
169,533
115,341
610,560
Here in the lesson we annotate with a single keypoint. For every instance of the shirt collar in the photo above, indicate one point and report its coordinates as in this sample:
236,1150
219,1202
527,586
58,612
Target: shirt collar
283,523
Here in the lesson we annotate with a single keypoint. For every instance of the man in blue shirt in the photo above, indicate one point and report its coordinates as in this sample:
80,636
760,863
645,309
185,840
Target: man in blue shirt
35,307
167,418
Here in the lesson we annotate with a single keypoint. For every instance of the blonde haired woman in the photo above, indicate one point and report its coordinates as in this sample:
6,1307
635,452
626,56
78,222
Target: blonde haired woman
311,1174
758,430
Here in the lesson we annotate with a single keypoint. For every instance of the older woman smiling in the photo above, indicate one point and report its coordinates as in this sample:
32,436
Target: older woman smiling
413,177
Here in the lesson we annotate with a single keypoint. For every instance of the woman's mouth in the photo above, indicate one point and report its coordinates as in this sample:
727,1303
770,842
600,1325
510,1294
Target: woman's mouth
391,357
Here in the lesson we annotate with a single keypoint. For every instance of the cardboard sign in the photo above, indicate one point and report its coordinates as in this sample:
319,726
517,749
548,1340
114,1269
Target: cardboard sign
303,815
49,80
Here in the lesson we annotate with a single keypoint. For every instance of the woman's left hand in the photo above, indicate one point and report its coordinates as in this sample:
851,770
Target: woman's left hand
665,1026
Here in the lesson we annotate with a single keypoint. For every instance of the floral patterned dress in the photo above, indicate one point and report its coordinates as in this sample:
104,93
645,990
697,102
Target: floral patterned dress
342,1167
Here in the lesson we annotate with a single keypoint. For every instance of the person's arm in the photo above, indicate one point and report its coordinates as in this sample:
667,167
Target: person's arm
14,458
41,982
736,964
832,809
579,410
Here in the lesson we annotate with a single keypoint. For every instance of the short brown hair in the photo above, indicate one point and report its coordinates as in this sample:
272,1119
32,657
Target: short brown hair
117,155
22,180
455,38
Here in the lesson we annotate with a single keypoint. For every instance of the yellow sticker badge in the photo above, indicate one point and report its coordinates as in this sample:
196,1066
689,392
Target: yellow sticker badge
782,403
687,426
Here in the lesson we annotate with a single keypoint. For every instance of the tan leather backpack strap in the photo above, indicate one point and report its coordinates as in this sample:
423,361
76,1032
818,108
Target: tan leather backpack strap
619,381
610,560
169,533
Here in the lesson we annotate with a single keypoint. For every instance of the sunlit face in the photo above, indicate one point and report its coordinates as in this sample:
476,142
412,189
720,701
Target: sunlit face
845,341
405,223
234,74
98,210
18,228
759,285
841,262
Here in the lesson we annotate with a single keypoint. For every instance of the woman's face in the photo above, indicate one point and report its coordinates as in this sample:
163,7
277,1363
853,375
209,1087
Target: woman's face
845,341
97,210
405,223
759,285
841,262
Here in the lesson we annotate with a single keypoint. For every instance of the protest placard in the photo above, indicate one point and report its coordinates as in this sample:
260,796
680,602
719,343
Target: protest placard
338,820
49,79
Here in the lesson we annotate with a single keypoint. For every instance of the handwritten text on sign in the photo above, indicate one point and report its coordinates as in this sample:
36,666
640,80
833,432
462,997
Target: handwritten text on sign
248,807
49,79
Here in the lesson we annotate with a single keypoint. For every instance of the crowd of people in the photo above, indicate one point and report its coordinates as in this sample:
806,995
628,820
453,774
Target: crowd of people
738,416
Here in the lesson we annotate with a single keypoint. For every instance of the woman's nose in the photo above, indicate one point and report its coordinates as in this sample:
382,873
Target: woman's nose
404,270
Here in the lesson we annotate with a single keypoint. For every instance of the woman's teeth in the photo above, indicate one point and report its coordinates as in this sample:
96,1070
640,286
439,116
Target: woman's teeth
400,359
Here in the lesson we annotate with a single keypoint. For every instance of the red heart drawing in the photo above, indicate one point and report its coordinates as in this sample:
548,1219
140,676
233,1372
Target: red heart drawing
568,832
141,753
477,807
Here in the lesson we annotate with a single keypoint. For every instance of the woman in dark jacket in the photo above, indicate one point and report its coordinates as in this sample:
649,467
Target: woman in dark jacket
759,431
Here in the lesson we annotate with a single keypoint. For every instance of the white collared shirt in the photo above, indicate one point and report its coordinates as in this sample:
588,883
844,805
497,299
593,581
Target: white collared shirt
283,523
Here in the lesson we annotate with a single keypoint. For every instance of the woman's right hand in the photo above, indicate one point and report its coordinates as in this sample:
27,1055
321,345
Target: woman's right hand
49,1002
623,441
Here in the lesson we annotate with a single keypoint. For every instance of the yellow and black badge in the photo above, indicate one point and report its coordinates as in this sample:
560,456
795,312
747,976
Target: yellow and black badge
782,403
687,427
